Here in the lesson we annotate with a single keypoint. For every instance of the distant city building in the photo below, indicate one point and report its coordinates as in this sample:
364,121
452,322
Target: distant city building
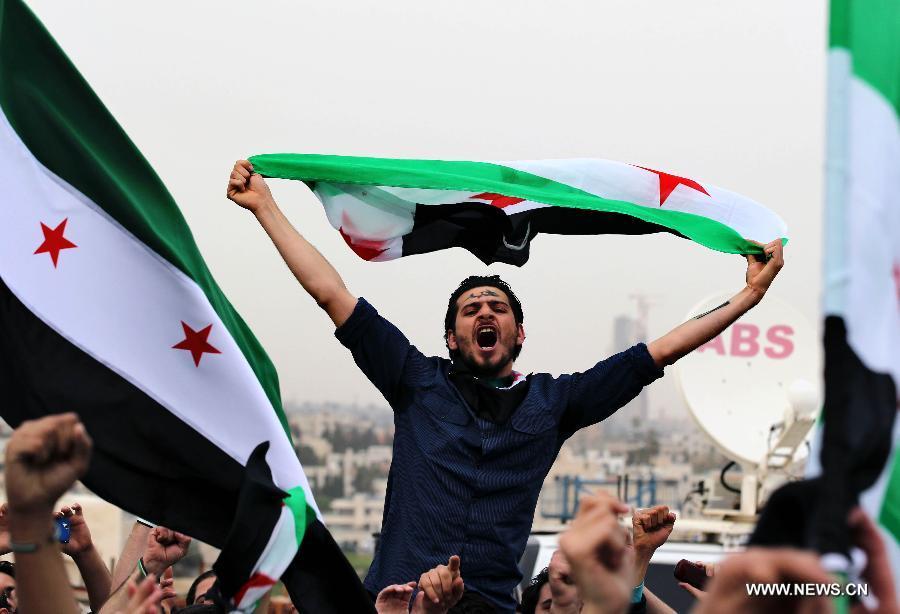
353,520
628,331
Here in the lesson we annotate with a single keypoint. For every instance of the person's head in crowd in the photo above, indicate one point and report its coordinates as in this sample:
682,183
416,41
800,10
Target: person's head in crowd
562,585
536,596
483,325
197,592
7,587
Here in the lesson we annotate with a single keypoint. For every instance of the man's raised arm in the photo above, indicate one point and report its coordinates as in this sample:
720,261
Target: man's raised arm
695,332
314,273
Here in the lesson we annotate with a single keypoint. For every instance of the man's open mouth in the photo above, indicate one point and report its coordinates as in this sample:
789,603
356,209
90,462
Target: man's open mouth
486,337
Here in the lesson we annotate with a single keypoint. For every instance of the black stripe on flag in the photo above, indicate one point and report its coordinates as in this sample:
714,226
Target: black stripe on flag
493,236
145,459
320,580
148,462
859,413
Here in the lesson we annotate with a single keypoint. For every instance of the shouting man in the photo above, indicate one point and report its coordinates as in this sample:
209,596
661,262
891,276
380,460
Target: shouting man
474,439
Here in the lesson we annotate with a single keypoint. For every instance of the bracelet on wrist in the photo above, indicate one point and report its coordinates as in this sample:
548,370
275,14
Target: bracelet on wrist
637,593
141,567
17,547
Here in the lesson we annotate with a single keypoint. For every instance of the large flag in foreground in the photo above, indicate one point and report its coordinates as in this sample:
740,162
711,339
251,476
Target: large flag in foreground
107,309
862,273
388,208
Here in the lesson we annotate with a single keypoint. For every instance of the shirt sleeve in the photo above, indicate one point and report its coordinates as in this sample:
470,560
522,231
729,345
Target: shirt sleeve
597,393
380,350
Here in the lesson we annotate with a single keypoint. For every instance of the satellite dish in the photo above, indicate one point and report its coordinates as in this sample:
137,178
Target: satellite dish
755,375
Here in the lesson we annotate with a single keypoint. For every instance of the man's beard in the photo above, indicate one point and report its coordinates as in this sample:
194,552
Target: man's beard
489,369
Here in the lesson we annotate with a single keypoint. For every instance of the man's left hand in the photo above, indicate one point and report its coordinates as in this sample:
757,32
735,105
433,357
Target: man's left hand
761,272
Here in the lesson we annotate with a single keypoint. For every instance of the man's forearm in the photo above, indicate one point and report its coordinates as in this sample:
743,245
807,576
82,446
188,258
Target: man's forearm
41,581
655,605
687,337
118,601
312,270
131,552
641,565
97,580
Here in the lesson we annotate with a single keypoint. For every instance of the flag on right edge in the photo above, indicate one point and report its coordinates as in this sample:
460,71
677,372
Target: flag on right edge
862,273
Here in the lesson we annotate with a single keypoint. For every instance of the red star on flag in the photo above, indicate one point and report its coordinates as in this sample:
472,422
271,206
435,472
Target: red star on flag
365,249
195,341
498,200
668,182
54,241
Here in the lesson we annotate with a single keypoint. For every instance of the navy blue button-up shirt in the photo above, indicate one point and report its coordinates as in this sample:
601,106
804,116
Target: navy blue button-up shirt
459,484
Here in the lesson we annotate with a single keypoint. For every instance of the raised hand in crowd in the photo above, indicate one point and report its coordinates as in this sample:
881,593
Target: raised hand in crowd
123,597
80,547
394,599
563,590
651,528
595,546
164,548
440,588
167,584
143,598
877,573
727,591
43,459
80,540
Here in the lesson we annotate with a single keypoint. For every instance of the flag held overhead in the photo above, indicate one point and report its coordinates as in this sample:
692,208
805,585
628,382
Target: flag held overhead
387,208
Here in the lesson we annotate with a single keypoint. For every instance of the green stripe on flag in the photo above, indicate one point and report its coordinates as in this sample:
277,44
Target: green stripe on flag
889,517
65,126
487,177
870,30
303,514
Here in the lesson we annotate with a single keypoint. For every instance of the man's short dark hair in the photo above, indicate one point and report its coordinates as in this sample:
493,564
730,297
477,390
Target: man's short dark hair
477,281
192,592
532,592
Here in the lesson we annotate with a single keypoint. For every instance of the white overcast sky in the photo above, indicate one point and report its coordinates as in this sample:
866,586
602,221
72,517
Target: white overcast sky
726,92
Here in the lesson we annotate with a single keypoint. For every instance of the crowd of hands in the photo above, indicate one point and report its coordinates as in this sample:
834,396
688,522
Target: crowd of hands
599,563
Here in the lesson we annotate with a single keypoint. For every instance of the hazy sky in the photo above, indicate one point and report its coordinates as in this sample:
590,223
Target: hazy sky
729,93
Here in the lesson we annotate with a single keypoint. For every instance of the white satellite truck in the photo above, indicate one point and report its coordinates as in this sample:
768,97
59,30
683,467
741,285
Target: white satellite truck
754,391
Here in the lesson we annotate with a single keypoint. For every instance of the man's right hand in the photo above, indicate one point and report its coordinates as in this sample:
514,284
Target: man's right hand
44,457
248,189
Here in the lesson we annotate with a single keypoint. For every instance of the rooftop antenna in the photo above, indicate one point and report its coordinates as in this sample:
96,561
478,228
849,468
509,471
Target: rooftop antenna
751,391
